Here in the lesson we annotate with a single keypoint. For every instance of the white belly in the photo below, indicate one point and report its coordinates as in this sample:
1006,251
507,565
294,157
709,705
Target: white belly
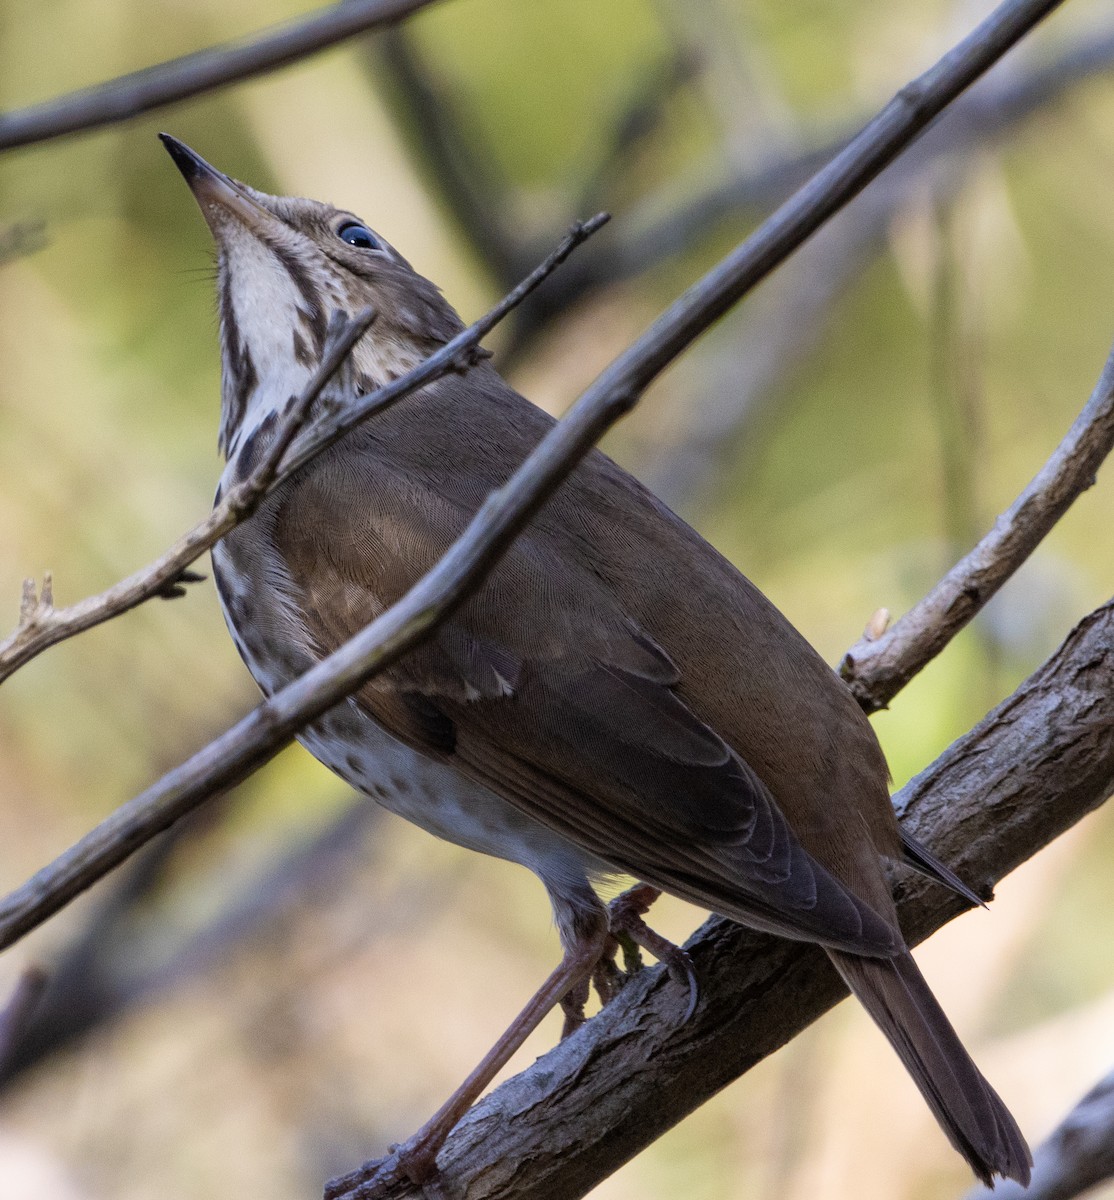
429,793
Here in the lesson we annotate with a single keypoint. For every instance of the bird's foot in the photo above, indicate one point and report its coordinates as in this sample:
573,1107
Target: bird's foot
630,932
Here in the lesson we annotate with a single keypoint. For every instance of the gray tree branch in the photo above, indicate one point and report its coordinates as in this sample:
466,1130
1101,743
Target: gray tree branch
154,87
1031,769
108,968
18,1010
987,112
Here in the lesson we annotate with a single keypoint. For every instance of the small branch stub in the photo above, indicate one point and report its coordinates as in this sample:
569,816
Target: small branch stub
36,606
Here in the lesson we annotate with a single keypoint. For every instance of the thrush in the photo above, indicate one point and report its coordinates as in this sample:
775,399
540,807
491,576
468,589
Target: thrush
615,699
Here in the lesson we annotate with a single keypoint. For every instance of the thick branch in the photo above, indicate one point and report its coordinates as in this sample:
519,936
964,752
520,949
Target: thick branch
876,669
1030,770
42,625
191,75
1078,1156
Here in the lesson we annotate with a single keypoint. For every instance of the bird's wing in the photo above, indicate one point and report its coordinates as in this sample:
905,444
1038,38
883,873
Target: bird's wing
541,690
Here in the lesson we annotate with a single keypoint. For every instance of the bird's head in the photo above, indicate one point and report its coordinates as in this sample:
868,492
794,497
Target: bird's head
284,266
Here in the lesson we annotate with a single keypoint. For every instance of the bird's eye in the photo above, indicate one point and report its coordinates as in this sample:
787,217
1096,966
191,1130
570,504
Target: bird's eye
359,235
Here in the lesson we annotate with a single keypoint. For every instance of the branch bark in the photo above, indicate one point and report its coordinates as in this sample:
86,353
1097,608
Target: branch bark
193,74
1036,765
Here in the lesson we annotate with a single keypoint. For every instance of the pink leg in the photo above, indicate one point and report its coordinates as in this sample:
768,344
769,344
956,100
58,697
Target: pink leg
417,1158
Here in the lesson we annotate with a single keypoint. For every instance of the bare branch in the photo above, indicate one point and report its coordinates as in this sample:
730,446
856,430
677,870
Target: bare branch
141,91
90,983
640,116
1030,770
877,668
1078,1156
271,726
641,242
41,625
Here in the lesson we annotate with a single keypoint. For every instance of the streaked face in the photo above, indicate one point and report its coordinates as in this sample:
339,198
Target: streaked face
284,266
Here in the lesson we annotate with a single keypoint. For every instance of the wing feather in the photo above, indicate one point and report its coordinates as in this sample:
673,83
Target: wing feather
541,689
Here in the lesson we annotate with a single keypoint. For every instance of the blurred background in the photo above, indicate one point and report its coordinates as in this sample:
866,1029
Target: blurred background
291,980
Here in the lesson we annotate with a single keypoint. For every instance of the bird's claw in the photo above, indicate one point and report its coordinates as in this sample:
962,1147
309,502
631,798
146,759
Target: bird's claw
628,928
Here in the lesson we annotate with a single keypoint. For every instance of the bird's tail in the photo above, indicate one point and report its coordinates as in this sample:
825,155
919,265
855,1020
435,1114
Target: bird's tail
969,1110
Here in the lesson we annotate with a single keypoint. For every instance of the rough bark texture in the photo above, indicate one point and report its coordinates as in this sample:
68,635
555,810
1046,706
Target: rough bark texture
1036,765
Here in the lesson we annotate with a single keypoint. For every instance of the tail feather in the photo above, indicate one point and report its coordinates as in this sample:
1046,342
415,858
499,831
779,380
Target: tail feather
969,1110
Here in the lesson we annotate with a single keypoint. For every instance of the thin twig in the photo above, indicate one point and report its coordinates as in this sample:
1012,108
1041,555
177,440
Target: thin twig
41,625
1076,1157
642,114
264,732
456,355
153,87
877,668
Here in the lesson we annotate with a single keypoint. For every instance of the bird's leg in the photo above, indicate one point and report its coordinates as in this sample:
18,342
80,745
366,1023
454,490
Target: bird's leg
416,1159
574,1000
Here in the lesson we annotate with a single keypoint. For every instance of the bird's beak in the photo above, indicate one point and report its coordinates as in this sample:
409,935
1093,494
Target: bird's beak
219,197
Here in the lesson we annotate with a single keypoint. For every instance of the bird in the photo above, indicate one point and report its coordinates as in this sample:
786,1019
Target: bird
616,699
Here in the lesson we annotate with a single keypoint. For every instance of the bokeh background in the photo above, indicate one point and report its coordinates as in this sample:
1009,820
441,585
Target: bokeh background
293,980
